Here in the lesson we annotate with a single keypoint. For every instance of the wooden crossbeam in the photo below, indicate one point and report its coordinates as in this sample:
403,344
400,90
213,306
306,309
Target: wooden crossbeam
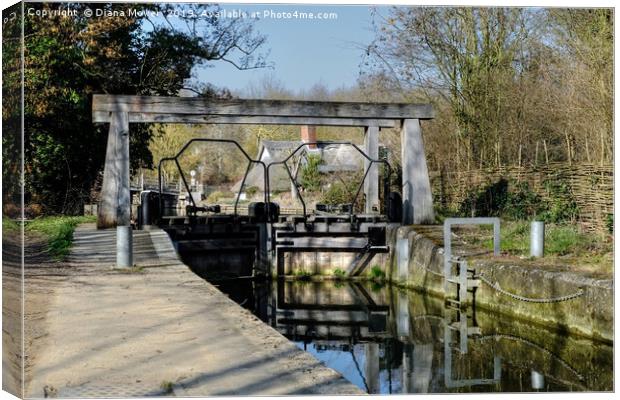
105,116
177,109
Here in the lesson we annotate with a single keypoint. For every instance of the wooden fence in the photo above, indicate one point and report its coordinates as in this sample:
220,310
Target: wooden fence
591,186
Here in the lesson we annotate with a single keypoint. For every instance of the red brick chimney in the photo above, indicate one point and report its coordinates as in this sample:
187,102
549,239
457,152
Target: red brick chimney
308,135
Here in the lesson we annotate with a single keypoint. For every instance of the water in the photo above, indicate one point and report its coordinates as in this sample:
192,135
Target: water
388,341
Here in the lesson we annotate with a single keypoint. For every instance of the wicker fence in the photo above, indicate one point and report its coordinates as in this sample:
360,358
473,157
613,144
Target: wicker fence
591,186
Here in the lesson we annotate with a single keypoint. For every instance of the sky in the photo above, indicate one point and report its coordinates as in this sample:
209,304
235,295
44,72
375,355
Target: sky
304,52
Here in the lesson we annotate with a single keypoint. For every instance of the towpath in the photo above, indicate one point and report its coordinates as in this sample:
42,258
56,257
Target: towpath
159,330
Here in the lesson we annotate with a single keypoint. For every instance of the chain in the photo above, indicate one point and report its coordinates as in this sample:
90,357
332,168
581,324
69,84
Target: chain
496,286
428,269
499,336
527,299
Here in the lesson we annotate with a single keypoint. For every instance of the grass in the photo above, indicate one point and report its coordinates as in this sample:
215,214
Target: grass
167,387
560,240
8,225
133,270
565,245
302,274
59,232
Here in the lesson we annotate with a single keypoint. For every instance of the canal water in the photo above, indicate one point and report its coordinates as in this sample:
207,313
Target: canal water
387,341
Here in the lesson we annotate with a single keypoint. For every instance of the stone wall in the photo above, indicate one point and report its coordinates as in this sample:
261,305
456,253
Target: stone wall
589,315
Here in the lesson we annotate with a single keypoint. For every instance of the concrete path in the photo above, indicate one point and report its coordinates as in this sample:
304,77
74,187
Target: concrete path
161,330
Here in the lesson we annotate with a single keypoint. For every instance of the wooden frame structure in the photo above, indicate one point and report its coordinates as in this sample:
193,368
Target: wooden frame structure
120,110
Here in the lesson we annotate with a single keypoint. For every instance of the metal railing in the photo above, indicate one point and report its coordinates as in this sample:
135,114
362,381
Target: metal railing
462,279
266,170
184,180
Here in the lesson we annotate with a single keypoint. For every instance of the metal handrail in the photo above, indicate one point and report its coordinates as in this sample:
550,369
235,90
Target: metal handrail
247,171
266,169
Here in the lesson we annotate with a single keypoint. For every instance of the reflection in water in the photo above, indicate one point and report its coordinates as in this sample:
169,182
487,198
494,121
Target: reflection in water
385,340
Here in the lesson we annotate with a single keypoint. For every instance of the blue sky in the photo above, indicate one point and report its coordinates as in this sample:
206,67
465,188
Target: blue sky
304,52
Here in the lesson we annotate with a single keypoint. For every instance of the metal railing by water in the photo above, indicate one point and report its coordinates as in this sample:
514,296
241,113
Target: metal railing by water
462,280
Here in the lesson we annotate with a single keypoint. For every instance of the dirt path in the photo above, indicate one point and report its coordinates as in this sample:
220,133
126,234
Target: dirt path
42,274
155,330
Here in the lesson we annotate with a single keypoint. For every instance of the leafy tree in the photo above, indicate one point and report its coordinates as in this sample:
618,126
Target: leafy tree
67,59
11,113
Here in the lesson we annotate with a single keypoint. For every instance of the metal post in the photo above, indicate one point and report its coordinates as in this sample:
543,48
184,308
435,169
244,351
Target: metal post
124,246
462,281
124,242
537,239
262,256
447,255
463,332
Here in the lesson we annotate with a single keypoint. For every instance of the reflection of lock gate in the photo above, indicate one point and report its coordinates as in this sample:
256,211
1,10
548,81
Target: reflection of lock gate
344,315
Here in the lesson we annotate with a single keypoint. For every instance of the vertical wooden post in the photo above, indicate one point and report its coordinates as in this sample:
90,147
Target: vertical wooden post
417,195
371,184
115,174
115,205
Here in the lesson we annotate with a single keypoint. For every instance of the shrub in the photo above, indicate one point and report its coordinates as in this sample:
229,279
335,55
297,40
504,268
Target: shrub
302,274
251,191
33,210
486,201
340,273
522,203
376,273
518,201
310,175
11,210
342,191
215,196
561,206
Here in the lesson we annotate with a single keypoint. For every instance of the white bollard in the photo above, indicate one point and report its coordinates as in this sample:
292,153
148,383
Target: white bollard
538,380
537,239
124,246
